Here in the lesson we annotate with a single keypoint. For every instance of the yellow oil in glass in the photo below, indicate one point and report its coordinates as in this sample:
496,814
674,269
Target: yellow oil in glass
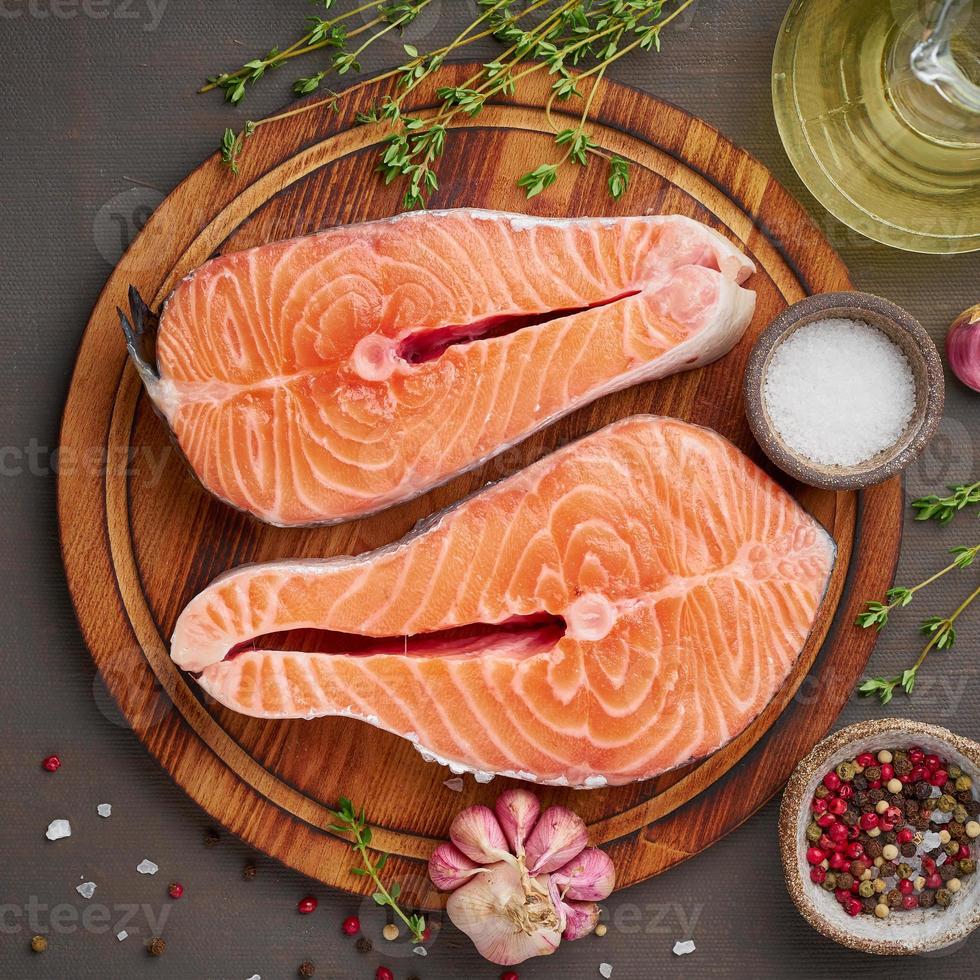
891,154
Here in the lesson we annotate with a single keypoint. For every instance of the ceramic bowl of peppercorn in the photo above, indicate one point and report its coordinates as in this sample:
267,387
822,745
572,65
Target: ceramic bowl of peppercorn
879,834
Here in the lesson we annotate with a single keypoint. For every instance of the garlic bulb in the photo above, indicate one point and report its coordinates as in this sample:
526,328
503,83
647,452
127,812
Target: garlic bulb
521,880
963,347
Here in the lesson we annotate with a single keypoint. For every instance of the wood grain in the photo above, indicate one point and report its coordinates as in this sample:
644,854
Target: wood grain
140,537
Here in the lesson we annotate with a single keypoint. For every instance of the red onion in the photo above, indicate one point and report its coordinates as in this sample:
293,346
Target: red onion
963,347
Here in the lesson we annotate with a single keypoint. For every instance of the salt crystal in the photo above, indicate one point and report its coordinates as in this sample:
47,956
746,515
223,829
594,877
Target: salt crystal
839,391
58,829
254,976
930,841
122,935
147,867
605,969
682,948
87,889
455,784
104,809
420,951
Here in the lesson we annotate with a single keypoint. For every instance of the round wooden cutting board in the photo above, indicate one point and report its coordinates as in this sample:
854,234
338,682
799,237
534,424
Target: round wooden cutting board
140,537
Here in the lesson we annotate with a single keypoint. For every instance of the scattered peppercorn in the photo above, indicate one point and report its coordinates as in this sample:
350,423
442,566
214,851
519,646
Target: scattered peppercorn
175,889
383,973
821,792
927,899
39,944
306,969
211,837
967,866
249,871
156,946
52,763
363,945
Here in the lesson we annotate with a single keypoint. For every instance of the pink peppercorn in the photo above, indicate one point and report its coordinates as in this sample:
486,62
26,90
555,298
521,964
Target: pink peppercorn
905,835
814,855
906,886
383,973
832,781
837,833
846,791
509,975
932,762
933,881
52,763
918,774
837,861
351,925
826,820
819,806
916,755
910,902
887,771
306,905
837,806
818,874
865,759
869,821
855,850
853,907
939,778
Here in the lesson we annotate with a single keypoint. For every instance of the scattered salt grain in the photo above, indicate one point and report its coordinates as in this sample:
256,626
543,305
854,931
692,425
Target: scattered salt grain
254,976
104,809
455,784
147,867
930,841
58,829
605,969
420,951
682,948
122,935
839,391
86,889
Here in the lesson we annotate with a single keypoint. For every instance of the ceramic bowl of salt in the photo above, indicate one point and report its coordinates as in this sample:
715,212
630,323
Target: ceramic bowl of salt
903,932
843,390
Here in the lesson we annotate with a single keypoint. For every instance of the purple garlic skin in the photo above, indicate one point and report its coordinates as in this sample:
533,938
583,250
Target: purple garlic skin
518,811
477,834
963,347
588,877
449,867
558,836
521,880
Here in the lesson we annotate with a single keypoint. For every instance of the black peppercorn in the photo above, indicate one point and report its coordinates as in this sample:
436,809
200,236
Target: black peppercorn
872,773
860,782
363,944
156,947
858,868
211,837
850,816
943,897
908,849
888,870
873,848
901,765
893,899
306,969
889,837
948,870
927,898
845,880
923,790
250,871
875,796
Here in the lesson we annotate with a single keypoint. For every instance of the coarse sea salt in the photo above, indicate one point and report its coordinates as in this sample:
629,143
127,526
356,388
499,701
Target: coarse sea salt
58,829
86,889
682,948
104,809
839,391
147,867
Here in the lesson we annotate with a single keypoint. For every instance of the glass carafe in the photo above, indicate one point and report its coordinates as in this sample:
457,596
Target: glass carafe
878,106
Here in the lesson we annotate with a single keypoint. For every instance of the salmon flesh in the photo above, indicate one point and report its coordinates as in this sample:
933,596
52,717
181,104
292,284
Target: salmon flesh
324,378
623,606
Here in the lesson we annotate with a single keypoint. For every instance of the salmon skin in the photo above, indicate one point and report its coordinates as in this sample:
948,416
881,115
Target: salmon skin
623,606
325,378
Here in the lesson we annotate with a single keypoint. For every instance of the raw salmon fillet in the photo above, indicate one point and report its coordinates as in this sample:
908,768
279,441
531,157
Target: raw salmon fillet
324,378
627,604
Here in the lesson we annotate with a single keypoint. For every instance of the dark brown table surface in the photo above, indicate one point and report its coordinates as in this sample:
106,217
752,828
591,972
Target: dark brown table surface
99,121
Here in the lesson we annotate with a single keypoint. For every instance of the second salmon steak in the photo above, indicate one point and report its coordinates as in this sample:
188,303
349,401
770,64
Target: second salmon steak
324,378
628,604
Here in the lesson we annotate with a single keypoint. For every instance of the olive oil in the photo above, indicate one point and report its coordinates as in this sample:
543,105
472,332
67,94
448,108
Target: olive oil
878,107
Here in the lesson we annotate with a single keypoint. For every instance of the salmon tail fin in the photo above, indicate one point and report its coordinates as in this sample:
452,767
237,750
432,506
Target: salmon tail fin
140,333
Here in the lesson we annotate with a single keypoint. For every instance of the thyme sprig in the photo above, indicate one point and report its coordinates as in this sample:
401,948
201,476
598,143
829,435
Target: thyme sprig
572,40
940,630
353,822
944,509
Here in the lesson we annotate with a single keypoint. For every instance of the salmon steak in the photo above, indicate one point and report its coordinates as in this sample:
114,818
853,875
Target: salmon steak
623,606
324,378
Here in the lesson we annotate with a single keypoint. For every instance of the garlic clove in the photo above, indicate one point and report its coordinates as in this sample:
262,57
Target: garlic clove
517,811
558,836
449,867
588,877
581,919
963,347
477,834
508,917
